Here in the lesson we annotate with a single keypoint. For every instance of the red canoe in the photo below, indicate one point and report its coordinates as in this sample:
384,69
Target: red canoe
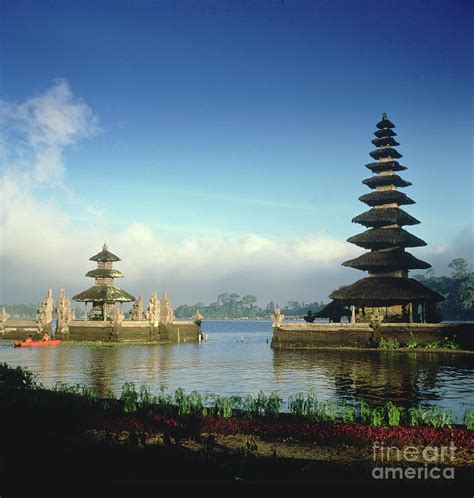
36,344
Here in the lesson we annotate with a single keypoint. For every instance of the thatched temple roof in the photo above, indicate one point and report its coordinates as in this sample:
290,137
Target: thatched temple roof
386,132
384,141
385,291
105,256
382,181
385,152
385,166
104,294
334,310
105,273
378,198
379,217
384,123
384,238
387,261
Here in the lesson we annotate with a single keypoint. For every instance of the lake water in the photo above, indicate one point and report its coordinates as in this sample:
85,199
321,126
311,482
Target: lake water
227,365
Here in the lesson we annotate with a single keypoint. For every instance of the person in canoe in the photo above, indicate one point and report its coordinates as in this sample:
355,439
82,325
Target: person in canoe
29,339
46,337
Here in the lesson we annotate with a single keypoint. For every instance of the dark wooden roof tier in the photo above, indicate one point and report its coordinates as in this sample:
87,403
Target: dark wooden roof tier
380,217
384,180
385,152
385,132
105,256
378,167
104,294
383,141
105,273
379,198
385,238
387,261
385,291
384,123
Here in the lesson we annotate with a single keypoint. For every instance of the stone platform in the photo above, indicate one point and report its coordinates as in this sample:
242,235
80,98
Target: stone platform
131,331
126,331
361,335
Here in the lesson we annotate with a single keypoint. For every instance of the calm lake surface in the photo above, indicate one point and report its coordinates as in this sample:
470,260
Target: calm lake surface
227,365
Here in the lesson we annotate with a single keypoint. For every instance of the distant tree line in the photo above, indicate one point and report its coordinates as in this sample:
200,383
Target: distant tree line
458,289
230,305
28,311
25,311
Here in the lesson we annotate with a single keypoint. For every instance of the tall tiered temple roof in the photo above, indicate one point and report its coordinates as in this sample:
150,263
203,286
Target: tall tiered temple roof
387,262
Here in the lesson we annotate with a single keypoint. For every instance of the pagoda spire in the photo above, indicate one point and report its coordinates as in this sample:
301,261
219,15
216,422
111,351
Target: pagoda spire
387,263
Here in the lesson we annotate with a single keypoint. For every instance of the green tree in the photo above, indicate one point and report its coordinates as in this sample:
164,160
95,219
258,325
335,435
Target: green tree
459,267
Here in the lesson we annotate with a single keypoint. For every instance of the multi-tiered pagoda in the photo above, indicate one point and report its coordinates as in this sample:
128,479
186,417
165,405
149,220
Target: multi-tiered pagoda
387,287
104,294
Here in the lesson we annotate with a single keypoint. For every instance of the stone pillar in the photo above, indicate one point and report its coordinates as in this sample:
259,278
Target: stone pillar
353,314
410,311
85,311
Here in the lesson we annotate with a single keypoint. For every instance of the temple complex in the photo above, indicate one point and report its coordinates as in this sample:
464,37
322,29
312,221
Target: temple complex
104,294
387,303
387,288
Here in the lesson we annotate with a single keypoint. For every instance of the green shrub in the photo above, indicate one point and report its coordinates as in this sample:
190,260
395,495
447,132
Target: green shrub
16,378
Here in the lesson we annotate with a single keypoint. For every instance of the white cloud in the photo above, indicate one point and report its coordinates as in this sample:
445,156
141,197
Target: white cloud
41,247
38,129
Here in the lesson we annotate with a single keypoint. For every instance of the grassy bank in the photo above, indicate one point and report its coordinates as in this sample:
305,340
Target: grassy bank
191,436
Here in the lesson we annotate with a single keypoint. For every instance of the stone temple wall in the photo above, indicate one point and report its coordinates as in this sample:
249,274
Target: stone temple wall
131,332
317,335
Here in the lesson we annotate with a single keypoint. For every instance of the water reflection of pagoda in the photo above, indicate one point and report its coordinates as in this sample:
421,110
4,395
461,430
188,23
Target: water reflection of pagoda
387,286
104,294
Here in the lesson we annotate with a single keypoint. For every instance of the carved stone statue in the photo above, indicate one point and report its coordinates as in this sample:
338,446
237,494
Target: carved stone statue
153,312
44,316
277,318
4,316
197,318
377,316
137,312
167,313
117,315
64,313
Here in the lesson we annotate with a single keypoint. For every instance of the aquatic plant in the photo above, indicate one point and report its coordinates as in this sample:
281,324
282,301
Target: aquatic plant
469,419
129,397
435,345
346,413
377,416
412,343
393,414
223,406
450,344
432,416
389,343
364,412
272,406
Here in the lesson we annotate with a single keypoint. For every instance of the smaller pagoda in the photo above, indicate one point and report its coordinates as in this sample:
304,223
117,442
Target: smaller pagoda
104,294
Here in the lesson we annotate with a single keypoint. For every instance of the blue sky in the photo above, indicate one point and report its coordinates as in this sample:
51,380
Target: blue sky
242,119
